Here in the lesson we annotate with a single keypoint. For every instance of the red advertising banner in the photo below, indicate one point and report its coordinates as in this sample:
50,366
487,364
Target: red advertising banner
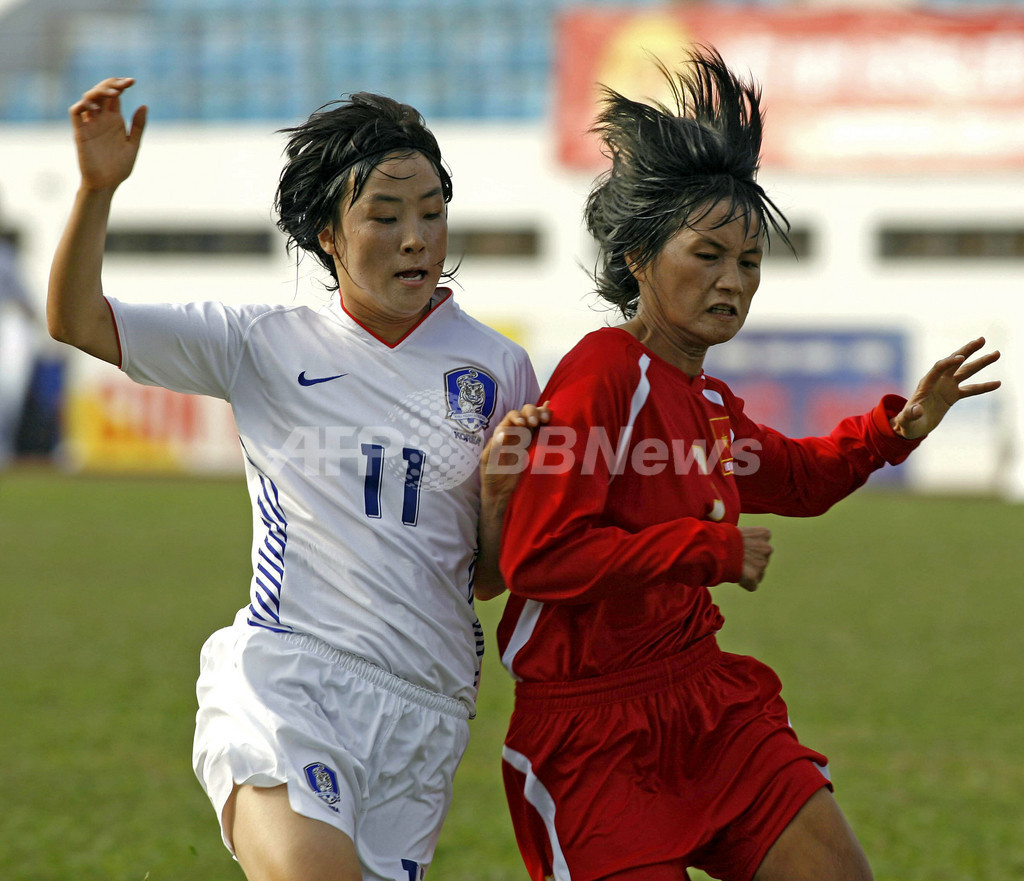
844,90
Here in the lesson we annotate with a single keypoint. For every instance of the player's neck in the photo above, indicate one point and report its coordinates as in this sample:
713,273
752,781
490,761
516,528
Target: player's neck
387,328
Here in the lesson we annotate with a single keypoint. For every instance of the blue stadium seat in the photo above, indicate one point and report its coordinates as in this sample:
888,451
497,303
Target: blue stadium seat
25,97
251,59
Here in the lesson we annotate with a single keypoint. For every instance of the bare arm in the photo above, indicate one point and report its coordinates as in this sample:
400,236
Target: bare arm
76,311
496,486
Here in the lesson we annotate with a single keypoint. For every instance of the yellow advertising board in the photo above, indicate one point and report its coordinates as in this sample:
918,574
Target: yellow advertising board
115,425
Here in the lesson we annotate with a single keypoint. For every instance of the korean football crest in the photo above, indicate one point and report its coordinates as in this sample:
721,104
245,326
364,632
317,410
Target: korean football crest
472,395
324,782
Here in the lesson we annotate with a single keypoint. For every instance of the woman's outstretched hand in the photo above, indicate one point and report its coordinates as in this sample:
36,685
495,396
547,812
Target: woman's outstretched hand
941,388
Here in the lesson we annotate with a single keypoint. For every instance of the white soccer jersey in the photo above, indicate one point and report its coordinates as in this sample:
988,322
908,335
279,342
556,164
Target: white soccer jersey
361,460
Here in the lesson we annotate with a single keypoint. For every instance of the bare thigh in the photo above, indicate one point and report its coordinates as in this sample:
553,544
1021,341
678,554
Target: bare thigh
817,845
273,843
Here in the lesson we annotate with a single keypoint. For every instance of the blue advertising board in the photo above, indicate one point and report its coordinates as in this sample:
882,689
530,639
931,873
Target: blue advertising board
803,382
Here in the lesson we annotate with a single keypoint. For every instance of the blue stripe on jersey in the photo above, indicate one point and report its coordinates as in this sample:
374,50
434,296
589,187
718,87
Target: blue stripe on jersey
271,590
478,630
259,599
279,569
268,577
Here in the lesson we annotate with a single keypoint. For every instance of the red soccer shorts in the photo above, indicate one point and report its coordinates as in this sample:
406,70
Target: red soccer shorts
688,761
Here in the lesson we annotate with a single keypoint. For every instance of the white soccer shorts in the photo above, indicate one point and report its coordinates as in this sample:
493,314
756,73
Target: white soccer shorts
359,748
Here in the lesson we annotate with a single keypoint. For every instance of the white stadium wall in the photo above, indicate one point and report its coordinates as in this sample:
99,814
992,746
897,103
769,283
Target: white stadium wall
508,178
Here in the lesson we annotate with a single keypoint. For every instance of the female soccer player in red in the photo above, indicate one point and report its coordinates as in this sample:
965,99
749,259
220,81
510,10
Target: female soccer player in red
637,748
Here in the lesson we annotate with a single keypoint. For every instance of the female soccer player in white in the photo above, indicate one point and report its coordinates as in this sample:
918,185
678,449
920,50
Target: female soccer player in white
333,712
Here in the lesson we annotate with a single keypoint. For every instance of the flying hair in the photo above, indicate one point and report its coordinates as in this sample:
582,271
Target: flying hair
671,164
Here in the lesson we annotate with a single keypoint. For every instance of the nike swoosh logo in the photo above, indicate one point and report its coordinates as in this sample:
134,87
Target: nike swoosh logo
305,380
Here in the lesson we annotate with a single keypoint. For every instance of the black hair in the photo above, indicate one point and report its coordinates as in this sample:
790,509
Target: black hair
342,142
671,165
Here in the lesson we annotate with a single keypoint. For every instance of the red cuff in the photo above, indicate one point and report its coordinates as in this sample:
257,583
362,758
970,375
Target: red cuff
731,569
890,446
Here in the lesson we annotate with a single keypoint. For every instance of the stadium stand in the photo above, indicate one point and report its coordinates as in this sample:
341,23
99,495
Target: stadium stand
224,60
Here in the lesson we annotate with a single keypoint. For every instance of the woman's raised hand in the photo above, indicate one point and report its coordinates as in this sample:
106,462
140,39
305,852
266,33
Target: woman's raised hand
106,150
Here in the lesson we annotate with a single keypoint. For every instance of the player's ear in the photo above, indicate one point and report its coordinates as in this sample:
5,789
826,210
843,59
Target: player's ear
636,271
326,239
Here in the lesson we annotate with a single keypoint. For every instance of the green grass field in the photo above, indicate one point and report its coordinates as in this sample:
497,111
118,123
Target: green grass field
895,623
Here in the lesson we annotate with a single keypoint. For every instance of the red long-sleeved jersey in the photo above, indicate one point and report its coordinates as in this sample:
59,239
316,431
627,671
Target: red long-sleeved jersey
628,509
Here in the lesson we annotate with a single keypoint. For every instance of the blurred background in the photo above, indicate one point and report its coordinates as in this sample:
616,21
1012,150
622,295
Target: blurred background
894,144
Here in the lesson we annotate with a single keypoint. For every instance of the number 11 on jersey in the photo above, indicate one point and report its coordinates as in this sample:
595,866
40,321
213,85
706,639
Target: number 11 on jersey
415,462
